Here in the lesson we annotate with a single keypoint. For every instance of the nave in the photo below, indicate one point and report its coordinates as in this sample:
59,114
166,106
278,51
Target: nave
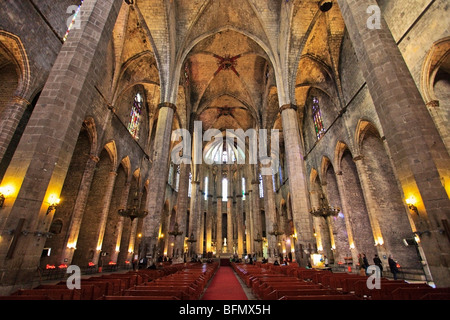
234,281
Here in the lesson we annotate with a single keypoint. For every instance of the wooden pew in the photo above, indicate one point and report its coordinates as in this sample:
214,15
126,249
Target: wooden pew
266,291
87,291
157,293
54,294
322,297
26,297
277,294
386,292
416,293
134,298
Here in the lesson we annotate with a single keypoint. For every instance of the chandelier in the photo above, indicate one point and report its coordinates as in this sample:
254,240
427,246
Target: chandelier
324,209
133,212
175,232
275,231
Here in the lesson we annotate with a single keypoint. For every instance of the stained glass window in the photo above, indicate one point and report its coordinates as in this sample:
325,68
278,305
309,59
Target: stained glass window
73,21
243,188
224,189
135,117
170,178
317,117
177,179
190,185
261,187
206,188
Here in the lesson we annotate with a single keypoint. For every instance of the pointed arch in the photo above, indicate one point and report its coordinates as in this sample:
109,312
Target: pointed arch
363,128
439,52
111,148
17,53
126,163
91,129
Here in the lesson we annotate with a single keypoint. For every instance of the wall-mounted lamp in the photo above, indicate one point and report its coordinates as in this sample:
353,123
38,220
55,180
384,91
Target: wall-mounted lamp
54,202
411,202
4,192
2,199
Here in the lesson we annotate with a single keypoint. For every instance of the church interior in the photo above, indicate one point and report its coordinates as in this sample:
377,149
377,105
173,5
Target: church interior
160,134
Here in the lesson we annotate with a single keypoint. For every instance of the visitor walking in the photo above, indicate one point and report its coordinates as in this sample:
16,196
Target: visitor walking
379,264
393,267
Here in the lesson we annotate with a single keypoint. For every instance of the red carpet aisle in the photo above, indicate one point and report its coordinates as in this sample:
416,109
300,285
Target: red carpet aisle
224,286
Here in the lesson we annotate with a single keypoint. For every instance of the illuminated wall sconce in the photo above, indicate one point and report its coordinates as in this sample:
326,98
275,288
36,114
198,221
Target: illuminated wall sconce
54,202
4,193
352,246
379,241
411,202
71,246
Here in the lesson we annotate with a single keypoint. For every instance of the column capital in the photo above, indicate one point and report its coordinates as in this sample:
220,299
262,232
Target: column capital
19,99
167,105
433,104
288,106
94,158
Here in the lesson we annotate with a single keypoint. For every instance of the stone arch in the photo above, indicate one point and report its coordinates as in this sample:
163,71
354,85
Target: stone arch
339,150
354,204
114,222
70,193
87,239
126,163
436,58
91,129
111,148
339,233
435,86
16,52
364,128
390,221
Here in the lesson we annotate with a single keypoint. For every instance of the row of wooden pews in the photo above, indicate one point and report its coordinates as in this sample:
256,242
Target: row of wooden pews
270,282
173,282
185,284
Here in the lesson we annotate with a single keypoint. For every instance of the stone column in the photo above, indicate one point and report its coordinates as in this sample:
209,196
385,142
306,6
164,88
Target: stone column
256,215
418,153
182,207
230,242
297,181
240,214
209,211
158,176
42,158
248,212
104,214
219,235
271,219
78,211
